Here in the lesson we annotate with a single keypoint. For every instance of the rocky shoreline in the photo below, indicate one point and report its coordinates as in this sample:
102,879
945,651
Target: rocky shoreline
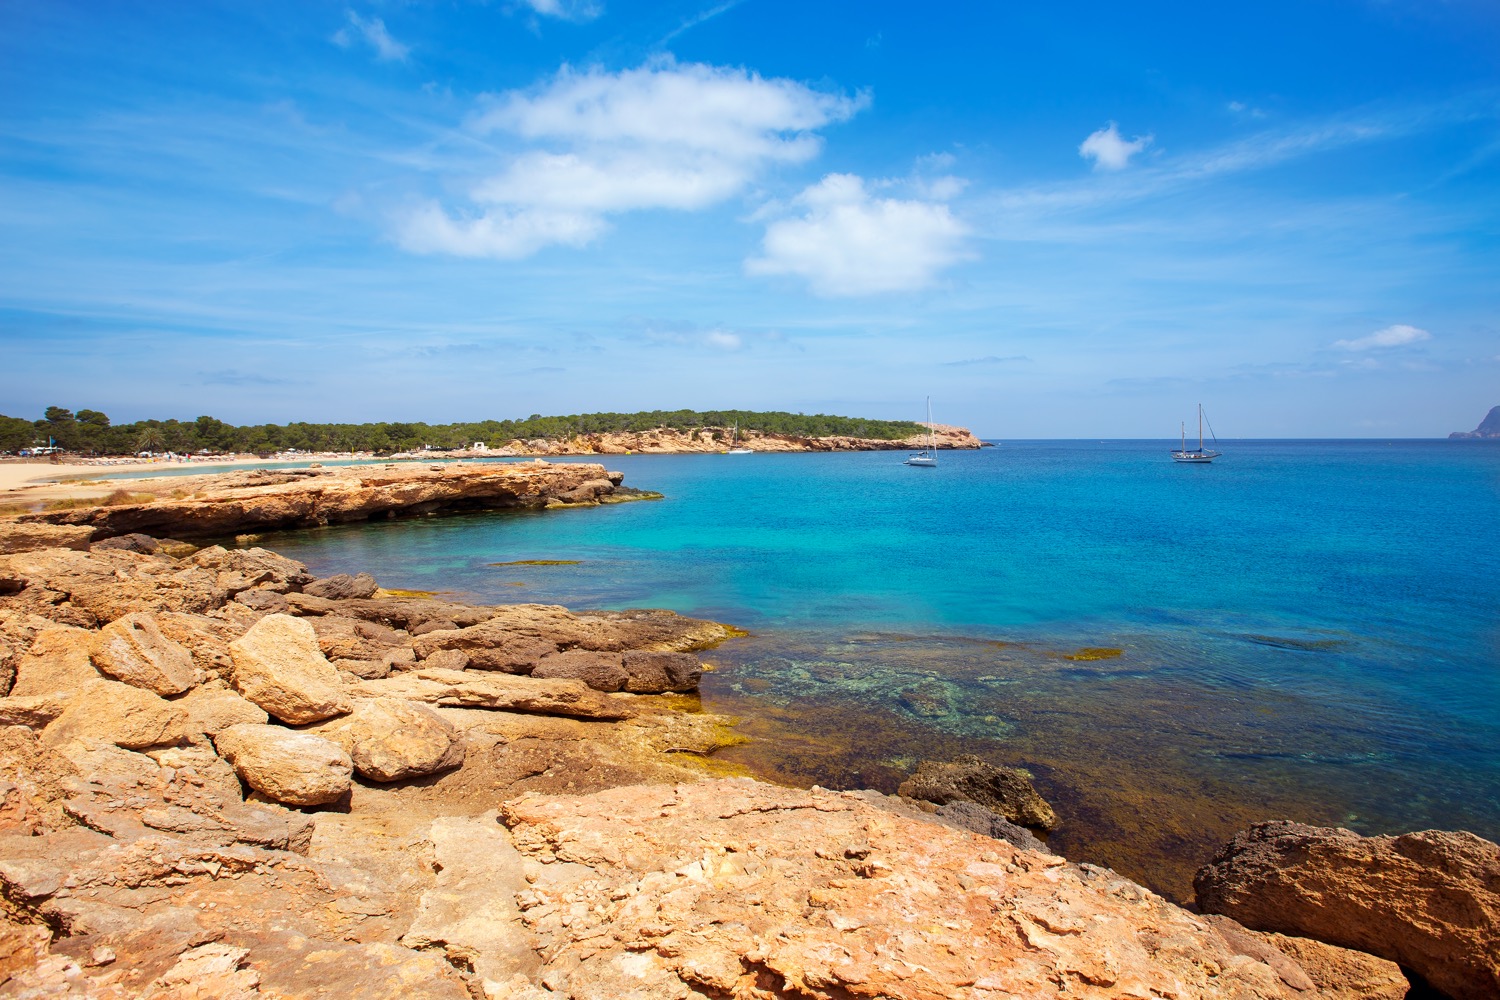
713,440
222,777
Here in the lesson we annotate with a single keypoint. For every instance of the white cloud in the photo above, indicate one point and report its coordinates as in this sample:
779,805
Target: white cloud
724,340
1398,335
662,136
1109,150
848,243
566,10
375,35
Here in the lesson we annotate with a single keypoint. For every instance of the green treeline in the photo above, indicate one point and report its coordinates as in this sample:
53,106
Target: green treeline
90,432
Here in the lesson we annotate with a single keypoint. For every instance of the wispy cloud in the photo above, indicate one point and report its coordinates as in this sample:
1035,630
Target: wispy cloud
847,243
577,11
1109,150
666,135
989,359
373,33
1399,335
705,15
233,376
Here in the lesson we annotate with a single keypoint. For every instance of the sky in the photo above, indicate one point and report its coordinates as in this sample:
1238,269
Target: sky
1056,220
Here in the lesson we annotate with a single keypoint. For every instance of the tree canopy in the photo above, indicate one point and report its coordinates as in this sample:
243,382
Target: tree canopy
91,432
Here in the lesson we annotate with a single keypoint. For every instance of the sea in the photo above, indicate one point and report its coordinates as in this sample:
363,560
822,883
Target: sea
1304,630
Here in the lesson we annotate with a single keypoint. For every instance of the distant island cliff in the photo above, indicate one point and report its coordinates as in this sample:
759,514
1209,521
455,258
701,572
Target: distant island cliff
1489,427
674,441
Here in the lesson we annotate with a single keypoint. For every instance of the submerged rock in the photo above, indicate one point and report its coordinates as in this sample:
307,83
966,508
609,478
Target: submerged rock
1003,790
1429,900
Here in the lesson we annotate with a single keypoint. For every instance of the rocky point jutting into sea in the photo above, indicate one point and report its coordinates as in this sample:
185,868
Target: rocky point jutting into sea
223,777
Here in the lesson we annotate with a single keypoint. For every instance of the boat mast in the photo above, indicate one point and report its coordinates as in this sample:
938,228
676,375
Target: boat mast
1200,426
1183,424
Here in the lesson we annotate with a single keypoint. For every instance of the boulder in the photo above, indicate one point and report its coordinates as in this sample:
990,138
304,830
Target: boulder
213,708
390,739
1429,901
1343,973
653,672
133,542
299,769
488,648
133,650
1003,790
343,587
35,712
243,569
343,638
600,671
117,713
267,601
277,665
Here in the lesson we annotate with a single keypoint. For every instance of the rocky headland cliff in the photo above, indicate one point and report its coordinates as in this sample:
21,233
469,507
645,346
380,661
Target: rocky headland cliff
710,440
1489,427
222,777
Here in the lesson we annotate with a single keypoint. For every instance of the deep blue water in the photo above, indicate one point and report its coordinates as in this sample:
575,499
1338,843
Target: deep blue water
1307,627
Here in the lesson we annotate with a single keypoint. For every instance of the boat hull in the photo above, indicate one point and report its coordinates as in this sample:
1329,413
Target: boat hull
1195,457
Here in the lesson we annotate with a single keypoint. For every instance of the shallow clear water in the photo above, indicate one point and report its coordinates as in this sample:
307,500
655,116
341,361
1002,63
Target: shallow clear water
1304,629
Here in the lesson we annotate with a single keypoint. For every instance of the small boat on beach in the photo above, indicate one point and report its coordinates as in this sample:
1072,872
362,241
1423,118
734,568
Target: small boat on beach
1200,455
927,457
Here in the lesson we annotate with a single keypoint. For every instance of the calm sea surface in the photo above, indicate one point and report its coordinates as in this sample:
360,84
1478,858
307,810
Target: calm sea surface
1305,629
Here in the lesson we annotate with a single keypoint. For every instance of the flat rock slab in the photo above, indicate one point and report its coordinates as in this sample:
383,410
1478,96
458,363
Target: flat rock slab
504,692
733,888
21,537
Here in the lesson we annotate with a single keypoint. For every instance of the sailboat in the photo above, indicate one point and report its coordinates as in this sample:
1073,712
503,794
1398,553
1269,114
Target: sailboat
733,438
927,457
1200,455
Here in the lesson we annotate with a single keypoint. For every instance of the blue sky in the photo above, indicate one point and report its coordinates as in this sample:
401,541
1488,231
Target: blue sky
1064,220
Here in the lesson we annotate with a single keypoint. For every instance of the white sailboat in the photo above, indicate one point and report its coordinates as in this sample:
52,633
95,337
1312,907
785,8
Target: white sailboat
1200,455
734,448
927,457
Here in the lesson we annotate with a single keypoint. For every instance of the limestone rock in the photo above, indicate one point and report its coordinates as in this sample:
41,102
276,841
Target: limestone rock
277,665
134,542
213,708
1342,973
654,672
244,569
487,648
21,537
343,638
471,914
91,588
973,816
1002,790
343,587
133,650
466,689
120,714
266,601
600,671
737,889
446,659
35,711
390,739
1429,900
57,663
299,769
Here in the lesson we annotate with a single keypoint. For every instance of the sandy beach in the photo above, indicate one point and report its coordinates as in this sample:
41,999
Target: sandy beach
24,480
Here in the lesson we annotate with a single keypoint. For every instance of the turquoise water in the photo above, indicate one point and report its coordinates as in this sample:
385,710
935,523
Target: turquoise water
1304,628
